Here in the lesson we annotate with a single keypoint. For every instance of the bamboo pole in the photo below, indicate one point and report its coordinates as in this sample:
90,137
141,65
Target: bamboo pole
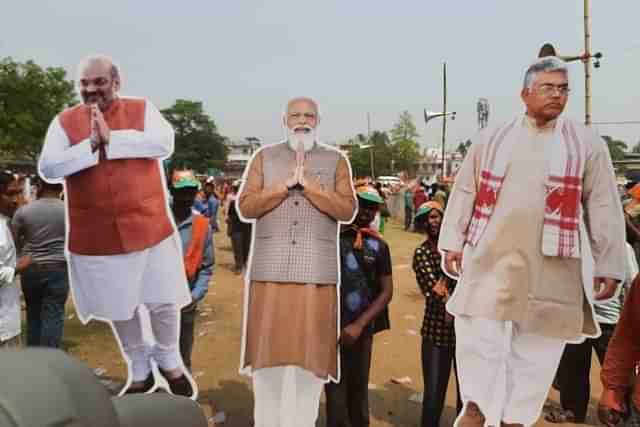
587,65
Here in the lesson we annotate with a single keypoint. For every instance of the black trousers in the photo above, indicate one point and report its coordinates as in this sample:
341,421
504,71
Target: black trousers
187,327
348,401
238,241
408,217
575,369
436,370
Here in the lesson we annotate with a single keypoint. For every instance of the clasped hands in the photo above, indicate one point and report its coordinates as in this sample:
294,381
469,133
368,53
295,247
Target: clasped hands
296,179
100,132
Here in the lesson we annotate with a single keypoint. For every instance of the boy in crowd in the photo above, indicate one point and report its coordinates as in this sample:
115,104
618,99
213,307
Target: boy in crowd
197,248
366,288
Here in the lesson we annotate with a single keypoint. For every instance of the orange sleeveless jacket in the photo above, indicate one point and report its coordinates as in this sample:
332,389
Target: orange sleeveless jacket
194,253
117,206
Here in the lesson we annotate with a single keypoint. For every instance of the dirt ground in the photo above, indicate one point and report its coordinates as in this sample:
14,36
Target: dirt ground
217,347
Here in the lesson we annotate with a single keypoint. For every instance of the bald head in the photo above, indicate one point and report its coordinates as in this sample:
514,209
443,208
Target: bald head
102,61
98,80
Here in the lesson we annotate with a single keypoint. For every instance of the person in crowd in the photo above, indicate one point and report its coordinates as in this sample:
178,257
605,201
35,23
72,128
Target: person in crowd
438,334
408,209
574,372
10,266
238,231
619,373
197,248
213,203
40,233
419,196
366,289
512,234
632,218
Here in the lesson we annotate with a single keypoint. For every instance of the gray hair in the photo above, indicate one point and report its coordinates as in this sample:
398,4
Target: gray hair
311,101
303,99
104,59
544,65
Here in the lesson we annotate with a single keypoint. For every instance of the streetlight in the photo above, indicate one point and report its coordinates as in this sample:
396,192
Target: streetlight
548,50
370,147
429,115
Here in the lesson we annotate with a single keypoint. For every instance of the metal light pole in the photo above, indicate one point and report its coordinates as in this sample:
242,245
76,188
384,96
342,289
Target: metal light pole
548,50
373,176
428,115
444,118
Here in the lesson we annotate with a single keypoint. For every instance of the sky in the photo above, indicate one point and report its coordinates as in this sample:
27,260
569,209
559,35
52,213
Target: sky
245,58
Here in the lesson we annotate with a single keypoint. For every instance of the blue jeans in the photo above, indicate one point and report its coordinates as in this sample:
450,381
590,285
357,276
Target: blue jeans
45,291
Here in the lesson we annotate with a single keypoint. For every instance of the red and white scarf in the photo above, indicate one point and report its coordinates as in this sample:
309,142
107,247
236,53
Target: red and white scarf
563,186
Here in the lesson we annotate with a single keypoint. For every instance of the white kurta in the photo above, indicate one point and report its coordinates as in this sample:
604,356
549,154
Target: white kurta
9,292
506,276
110,287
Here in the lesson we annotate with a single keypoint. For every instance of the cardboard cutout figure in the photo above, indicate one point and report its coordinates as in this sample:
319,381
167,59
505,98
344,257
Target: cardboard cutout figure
124,253
514,233
296,192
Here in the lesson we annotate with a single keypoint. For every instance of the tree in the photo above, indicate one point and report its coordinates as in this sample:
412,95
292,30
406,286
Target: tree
30,97
361,157
404,129
198,145
405,149
636,148
617,148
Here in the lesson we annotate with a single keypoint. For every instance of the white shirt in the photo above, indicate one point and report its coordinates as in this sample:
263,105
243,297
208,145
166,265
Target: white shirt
60,159
9,292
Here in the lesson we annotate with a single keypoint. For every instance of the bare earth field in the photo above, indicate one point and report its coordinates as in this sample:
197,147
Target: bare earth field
217,347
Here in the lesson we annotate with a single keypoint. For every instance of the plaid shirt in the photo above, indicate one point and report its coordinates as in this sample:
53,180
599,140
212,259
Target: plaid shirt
426,265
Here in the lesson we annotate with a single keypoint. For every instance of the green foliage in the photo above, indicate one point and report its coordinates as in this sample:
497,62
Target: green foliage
30,97
636,148
406,153
405,148
404,129
617,148
361,157
198,144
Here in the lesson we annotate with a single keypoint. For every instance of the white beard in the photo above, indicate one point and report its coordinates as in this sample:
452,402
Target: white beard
307,139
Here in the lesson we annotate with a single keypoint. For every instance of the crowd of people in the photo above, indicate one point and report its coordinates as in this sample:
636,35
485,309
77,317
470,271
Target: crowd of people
524,266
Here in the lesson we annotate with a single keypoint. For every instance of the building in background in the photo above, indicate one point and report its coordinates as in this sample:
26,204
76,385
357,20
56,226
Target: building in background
240,152
431,163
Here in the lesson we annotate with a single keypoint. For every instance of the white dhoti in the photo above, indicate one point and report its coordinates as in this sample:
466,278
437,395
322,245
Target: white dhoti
506,373
111,287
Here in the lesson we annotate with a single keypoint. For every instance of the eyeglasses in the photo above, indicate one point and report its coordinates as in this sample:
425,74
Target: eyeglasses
549,89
